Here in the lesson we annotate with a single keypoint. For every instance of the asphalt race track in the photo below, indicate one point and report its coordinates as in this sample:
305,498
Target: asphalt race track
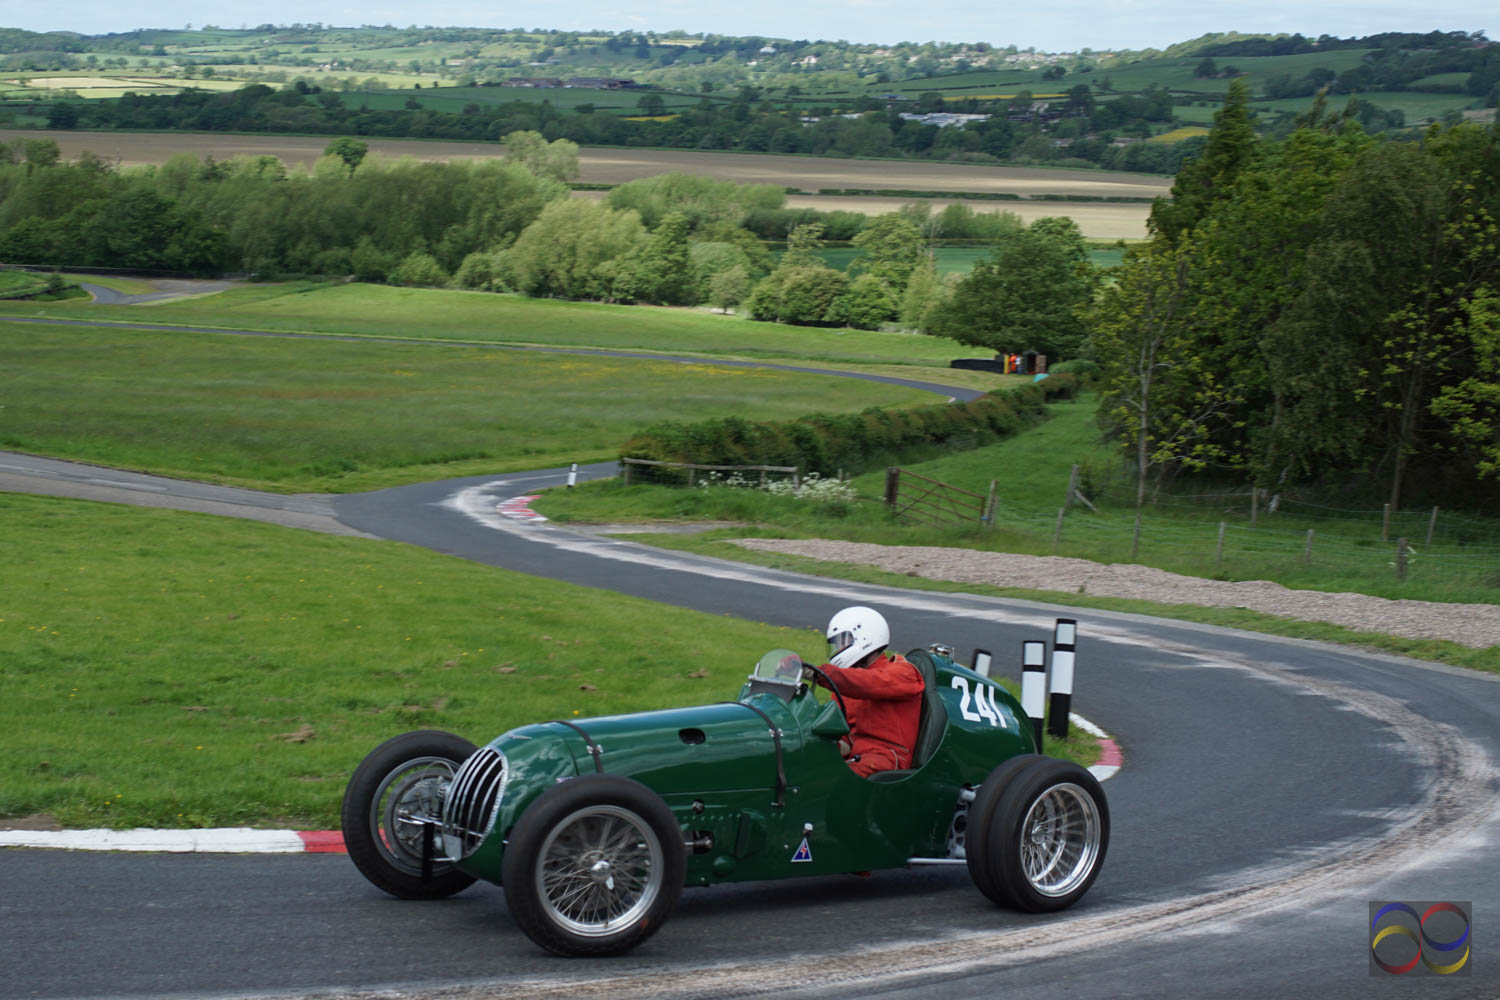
1272,789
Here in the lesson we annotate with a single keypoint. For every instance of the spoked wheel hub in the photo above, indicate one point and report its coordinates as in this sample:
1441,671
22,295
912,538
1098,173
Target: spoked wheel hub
601,868
1061,837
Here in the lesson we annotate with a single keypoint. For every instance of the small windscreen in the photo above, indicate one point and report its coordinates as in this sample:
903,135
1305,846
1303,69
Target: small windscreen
779,666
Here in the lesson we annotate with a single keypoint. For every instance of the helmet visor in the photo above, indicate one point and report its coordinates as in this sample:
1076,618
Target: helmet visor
839,641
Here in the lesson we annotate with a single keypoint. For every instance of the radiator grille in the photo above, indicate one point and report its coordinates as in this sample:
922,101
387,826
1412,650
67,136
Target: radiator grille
472,801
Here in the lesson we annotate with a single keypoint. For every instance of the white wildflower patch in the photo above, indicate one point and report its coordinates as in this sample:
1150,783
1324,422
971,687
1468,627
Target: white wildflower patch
812,487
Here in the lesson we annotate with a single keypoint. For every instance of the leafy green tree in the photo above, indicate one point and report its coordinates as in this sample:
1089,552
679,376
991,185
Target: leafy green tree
663,266
351,151
370,263
419,269
41,153
138,228
62,115
1232,146
30,241
728,288
802,244
924,294
1029,295
708,260
865,304
1472,406
1405,245
577,249
798,293
892,248
557,159
1157,392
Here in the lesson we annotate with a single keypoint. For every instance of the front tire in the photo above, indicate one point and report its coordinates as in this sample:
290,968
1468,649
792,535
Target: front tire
594,866
1044,838
398,784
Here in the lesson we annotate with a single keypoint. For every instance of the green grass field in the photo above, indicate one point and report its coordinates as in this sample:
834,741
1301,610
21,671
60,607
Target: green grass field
297,415
203,671
427,314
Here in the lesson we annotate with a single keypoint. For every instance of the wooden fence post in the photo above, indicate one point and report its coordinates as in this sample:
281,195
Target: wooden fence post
892,485
1431,523
1219,549
1135,541
1401,558
625,467
1307,547
1072,487
1385,522
989,506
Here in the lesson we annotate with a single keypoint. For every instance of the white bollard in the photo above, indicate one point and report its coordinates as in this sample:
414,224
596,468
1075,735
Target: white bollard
1034,684
1063,637
573,475
981,662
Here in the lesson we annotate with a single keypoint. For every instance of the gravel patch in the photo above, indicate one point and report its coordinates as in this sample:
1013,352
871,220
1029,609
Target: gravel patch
1474,625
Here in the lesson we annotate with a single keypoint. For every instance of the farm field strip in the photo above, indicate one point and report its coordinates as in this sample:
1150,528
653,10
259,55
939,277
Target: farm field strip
601,165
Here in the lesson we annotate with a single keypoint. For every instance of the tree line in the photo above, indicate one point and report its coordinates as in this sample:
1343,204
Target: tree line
1321,308
744,122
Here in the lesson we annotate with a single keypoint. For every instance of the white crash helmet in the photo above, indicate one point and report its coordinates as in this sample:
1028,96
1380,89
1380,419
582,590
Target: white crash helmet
855,633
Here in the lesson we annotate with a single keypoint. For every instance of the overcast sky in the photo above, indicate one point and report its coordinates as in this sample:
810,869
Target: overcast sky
1051,25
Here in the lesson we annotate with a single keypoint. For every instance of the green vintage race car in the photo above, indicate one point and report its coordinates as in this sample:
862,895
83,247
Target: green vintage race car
594,826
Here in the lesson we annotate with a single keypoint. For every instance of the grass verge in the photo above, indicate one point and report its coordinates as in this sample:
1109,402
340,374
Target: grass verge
1031,470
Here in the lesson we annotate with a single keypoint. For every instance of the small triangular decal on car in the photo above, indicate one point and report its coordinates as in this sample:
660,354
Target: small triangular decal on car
804,853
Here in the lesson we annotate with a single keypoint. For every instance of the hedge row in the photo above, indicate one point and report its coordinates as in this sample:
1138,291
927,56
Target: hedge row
853,442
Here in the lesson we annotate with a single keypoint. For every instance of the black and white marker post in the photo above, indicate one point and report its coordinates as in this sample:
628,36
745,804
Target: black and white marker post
1061,677
1034,684
981,662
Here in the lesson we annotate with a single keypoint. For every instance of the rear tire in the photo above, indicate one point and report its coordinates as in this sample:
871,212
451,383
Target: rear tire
594,866
405,777
1043,839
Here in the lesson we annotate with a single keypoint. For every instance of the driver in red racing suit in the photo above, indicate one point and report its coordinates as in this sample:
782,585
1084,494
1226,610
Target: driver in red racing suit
882,692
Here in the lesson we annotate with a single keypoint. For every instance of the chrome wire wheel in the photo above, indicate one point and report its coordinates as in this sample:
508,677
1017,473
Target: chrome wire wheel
601,869
408,795
1060,839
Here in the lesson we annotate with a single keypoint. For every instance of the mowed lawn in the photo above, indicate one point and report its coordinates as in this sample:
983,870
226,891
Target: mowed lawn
433,314
302,415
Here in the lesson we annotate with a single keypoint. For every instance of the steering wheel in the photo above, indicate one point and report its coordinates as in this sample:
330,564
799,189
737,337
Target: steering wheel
818,672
